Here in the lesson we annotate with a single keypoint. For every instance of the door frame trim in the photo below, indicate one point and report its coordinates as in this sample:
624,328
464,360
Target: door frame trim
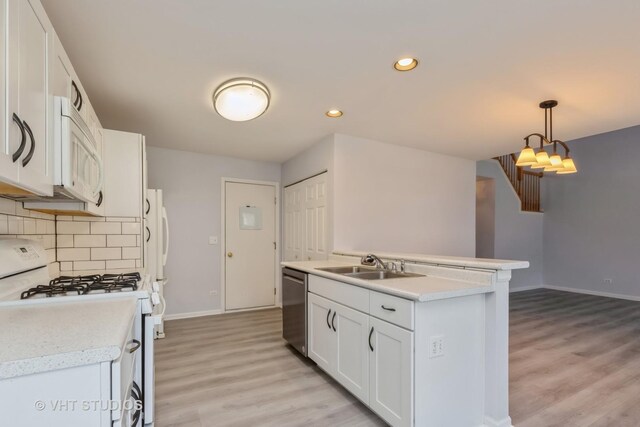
223,242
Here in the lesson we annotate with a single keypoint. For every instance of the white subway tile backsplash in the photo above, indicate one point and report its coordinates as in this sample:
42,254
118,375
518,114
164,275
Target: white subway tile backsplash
7,206
4,224
121,240
120,219
88,218
88,265
41,226
124,263
130,253
74,254
90,241
51,255
65,240
69,227
66,266
29,226
106,228
106,253
130,228
16,225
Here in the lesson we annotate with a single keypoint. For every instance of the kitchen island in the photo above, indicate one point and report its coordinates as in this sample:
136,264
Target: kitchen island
430,349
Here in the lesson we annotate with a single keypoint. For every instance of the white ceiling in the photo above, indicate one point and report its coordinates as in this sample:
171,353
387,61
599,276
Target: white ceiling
151,66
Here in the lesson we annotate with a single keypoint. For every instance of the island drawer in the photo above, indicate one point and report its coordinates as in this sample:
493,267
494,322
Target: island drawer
398,311
343,293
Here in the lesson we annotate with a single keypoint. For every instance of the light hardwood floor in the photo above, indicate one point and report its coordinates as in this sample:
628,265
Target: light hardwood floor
575,362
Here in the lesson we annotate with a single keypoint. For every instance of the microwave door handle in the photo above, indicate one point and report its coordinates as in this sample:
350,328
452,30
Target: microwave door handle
165,221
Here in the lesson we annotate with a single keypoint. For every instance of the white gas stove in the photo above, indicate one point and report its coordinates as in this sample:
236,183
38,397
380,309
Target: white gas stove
25,280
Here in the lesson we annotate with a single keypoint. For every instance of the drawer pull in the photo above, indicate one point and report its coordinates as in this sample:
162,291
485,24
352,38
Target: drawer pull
328,314
136,345
370,334
333,321
387,308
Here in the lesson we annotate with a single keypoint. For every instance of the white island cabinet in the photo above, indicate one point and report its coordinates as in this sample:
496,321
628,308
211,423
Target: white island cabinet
428,350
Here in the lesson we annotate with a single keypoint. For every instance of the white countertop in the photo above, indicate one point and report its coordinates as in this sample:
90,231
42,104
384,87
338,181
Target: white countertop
482,263
425,288
45,337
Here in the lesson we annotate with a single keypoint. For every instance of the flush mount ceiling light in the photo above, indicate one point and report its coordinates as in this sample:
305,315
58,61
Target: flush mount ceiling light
334,113
241,99
542,160
405,64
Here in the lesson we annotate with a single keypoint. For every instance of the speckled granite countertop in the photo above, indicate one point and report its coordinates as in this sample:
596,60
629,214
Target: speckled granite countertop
46,337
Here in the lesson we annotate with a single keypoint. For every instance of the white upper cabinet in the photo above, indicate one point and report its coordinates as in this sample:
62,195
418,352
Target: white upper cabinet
26,155
123,152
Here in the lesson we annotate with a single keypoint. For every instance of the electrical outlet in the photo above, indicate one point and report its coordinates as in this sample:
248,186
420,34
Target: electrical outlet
213,240
436,346
213,292
608,282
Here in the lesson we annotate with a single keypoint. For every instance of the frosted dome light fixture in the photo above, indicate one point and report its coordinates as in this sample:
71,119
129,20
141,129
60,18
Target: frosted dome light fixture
241,99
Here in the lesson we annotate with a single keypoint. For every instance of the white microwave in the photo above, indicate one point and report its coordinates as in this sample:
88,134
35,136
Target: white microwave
78,167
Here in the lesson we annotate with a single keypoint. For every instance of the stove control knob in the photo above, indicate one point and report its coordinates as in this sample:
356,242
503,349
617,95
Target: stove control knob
155,298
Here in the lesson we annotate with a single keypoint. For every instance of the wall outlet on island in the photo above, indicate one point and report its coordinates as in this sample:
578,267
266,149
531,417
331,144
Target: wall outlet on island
607,282
436,346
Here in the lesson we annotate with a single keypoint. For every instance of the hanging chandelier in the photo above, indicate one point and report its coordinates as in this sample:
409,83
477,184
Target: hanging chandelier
541,159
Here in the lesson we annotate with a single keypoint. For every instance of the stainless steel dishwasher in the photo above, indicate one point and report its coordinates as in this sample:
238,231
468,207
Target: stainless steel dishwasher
294,308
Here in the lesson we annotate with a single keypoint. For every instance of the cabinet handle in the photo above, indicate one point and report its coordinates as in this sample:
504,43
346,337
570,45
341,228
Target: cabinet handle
23,140
370,334
148,207
148,233
80,96
333,321
27,159
99,199
387,308
136,345
75,88
328,314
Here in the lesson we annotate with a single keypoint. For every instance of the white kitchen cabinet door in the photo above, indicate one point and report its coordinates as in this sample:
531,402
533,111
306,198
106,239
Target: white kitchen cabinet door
122,157
8,145
29,37
391,372
322,340
352,358
294,224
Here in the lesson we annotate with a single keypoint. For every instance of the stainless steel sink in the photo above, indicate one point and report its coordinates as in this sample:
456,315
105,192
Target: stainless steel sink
381,275
346,270
367,273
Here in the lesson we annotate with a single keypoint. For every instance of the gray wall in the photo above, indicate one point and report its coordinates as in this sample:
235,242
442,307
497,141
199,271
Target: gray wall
591,225
485,217
192,195
518,235
399,199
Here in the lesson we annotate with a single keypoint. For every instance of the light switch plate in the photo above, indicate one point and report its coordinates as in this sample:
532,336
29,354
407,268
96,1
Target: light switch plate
213,240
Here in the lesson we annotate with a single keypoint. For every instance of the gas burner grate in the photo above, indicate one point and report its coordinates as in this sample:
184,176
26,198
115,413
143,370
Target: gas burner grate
82,285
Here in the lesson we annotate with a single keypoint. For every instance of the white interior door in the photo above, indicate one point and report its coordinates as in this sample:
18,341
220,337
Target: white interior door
250,236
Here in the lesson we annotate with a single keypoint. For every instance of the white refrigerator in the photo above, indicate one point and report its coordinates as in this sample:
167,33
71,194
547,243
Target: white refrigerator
156,235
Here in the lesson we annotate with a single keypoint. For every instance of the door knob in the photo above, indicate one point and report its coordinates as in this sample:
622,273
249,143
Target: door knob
230,254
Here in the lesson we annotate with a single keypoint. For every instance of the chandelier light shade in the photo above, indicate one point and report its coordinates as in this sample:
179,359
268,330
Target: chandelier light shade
541,159
527,157
241,99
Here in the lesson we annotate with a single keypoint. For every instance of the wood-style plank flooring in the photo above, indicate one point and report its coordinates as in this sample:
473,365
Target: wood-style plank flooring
575,362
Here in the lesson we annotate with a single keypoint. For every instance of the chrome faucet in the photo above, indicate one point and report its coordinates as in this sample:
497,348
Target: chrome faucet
373,260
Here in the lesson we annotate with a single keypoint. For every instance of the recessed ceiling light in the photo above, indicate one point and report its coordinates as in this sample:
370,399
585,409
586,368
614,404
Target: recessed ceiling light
405,64
241,99
334,113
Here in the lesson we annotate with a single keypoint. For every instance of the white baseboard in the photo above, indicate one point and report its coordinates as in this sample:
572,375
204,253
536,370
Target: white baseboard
192,314
589,292
525,288
490,422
